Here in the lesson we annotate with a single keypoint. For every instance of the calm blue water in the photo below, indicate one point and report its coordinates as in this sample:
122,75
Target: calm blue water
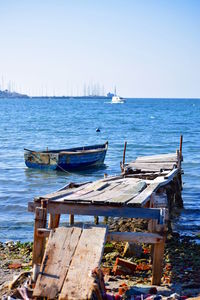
150,126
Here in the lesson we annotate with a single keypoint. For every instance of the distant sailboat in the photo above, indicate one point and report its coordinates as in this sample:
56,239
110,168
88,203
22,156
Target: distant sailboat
117,99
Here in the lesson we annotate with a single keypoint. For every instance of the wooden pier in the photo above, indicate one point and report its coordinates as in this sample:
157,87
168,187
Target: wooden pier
147,188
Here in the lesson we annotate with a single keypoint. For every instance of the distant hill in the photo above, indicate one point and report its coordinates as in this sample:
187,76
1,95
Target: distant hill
8,94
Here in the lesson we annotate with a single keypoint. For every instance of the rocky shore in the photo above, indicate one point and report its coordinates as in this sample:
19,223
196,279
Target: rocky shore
181,273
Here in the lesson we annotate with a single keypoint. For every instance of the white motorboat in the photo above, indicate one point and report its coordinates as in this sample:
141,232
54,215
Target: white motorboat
118,99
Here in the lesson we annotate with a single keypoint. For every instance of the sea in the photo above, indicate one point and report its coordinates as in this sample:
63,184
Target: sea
150,126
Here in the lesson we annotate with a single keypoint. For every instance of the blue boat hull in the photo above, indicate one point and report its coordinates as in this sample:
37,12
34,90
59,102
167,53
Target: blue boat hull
79,162
67,159
40,166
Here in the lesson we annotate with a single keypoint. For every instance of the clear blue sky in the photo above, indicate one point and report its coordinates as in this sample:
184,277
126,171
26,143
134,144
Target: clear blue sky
146,48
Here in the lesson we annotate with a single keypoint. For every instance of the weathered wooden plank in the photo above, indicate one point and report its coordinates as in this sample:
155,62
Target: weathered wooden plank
171,174
151,166
122,198
100,191
101,210
98,185
89,196
136,237
160,157
113,178
145,195
87,257
128,193
147,174
63,192
76,195
59,252
115,190
91,190
107,195
121,193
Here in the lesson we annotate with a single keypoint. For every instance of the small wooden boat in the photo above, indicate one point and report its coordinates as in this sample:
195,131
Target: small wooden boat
66,159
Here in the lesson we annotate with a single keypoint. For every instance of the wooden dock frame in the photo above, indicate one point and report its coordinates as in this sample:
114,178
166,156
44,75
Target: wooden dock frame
162,174
56,209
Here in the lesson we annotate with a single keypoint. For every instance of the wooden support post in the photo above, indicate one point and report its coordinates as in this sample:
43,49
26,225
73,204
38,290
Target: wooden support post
71,219
177,194
179,177
124,153
180,148
152,223
39,242
179,159
96,220
105,220
157,268
53,221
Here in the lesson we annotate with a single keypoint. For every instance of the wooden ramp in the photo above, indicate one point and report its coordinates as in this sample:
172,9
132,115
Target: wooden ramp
72,253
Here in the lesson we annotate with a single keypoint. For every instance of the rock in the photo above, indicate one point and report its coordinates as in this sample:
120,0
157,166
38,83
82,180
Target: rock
191,286
123,288
173,296
111,256
153,291
15,266
108,248
132,250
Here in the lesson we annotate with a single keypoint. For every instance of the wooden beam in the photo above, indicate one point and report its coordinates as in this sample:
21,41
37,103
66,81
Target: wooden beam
135,237
100,210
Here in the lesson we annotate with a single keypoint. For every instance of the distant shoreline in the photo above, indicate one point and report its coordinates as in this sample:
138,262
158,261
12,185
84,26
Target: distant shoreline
19,97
